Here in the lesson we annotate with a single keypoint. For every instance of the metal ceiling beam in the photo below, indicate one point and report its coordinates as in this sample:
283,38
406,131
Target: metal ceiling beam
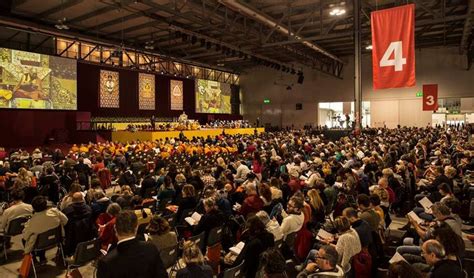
259,16
63,6
467,30
418,23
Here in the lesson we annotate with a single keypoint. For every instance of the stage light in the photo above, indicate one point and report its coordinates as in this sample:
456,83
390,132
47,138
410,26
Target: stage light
202,42
368,47
193,39
177,34
337,11
184,37
208,45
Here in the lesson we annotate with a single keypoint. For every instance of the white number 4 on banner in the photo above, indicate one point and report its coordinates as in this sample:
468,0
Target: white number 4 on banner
398,61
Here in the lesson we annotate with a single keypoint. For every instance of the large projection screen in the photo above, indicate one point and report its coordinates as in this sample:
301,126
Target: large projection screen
212,97
37,81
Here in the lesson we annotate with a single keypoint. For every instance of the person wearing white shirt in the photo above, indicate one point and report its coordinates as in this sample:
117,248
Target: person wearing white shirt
292,219
242,171
17,209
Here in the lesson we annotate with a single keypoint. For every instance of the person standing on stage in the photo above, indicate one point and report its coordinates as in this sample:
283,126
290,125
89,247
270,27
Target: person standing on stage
152,121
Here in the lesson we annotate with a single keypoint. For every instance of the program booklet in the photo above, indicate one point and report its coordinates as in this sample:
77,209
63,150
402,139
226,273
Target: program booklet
193,219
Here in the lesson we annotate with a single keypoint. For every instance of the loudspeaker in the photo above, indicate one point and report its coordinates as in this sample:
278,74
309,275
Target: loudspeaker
300,79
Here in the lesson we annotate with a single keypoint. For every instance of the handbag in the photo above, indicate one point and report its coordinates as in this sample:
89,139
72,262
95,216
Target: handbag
25,266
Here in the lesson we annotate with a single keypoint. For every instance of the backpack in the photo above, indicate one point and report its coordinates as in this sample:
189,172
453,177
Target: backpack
362,264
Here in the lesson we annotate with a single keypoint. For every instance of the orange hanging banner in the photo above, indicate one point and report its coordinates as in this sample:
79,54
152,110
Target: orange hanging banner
393,47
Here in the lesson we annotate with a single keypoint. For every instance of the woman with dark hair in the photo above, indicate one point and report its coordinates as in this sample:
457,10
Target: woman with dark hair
188,200
257,165
257,240
273,264
453,244
166,190
403,269
172,172
160,233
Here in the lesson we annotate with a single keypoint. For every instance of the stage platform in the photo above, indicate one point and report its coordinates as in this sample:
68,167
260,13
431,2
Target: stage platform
124,136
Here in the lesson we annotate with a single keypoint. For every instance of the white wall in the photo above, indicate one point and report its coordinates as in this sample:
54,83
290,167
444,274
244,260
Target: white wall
443,66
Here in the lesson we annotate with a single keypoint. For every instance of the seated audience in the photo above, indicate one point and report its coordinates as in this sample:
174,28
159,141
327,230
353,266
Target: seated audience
324,264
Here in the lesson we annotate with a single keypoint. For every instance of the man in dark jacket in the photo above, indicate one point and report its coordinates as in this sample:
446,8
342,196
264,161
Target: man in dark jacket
131,257
80,226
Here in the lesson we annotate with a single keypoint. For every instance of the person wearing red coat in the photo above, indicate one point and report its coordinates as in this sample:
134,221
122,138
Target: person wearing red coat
252,203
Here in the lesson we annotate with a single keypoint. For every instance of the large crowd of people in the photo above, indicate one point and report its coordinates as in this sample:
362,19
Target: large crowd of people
276,196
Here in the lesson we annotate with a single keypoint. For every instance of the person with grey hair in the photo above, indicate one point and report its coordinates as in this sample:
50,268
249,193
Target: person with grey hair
435,255
324,265
271,225
442,214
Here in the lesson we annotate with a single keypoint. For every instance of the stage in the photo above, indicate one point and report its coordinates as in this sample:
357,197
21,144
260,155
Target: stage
124,136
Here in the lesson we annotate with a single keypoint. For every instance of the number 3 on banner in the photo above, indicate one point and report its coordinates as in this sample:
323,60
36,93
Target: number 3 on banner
398,61
430,100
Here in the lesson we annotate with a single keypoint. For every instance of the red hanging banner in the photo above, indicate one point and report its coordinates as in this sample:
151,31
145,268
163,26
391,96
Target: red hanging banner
430,97
393,47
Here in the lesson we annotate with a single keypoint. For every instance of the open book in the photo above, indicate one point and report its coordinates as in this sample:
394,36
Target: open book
306,176
426,204
396,258
237,248
323,235
193,219
415,217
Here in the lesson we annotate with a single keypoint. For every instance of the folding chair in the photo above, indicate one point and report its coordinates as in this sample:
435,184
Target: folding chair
214,248
169,257
14,227
199,240
45,241
235,272
85,252
141,231
215,236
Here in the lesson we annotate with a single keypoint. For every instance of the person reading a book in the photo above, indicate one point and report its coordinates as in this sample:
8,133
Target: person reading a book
346,242
424,231
211,218
324,264
257,240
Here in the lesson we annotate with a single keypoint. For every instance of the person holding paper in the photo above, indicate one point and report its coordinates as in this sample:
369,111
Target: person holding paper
257,240
212,218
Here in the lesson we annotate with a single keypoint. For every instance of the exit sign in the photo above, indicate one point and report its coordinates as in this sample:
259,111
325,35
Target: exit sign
419,94
266,101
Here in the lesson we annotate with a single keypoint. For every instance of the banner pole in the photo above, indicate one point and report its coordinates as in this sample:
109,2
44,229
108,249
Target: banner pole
357,69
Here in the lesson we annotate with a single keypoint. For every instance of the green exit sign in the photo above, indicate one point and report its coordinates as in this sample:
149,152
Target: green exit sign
419,94
266,101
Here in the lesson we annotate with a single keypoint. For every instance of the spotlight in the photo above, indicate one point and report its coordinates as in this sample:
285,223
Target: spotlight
368,47
193,40
184,37
202,42
208,45
337,11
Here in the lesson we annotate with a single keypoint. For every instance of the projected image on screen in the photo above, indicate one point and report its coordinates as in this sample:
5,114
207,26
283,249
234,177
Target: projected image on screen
36,81
212,97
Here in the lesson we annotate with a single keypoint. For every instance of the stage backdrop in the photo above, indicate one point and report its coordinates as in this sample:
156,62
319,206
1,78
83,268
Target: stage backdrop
176,94
88,94
146,91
